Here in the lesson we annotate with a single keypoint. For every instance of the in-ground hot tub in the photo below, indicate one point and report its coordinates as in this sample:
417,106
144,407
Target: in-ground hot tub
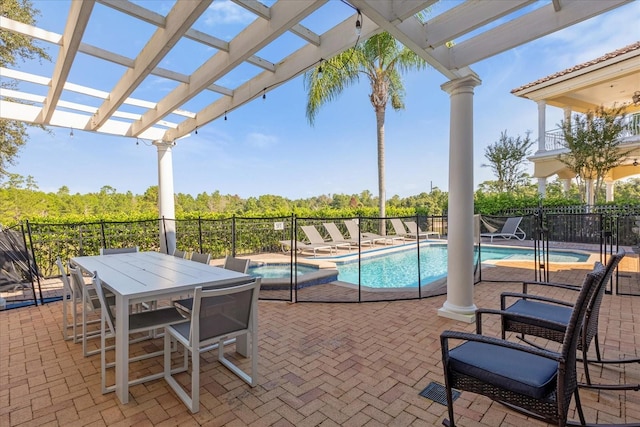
277,276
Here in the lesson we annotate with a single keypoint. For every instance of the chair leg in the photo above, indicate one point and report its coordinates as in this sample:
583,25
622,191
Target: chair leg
195,381
579,407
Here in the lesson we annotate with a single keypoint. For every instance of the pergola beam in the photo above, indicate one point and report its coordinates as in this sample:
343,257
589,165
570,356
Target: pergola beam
178,21
79,14
531,26
256,36
333,42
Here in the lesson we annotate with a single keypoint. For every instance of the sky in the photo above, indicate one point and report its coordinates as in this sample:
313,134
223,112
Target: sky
268,147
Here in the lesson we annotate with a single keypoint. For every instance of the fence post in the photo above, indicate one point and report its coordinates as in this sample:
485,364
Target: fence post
35,264
104,239
233,235
200,232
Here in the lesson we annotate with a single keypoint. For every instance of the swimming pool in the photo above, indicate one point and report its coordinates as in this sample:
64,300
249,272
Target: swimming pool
400,269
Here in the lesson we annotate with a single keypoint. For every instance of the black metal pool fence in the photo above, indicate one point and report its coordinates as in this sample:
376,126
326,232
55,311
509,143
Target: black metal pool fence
28,251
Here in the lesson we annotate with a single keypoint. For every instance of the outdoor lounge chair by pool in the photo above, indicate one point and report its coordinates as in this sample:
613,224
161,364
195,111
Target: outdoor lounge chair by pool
336,236
414,230
353,229
298,246
313,235
511,228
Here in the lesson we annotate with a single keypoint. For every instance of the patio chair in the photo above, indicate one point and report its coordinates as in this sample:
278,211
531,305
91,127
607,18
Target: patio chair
537,382
241,265
399,228
144,321
298,246
354,230
200,257
114,251
511,228
548,318
68,304
336,236
218,315
414,231
179,254
85,295
315,238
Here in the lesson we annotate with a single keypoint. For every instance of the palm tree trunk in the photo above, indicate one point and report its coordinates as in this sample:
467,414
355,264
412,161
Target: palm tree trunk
382,199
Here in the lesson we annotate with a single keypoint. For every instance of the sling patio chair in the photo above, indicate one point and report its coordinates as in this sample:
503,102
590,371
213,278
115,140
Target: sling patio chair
313,235
399,228
336,236
179,254
144,321
218,315
537,382
548,318
414,230
114,251
204,258
298,246
354,230
511,228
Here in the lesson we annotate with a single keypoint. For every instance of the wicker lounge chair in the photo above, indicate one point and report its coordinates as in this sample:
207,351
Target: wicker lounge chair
538,382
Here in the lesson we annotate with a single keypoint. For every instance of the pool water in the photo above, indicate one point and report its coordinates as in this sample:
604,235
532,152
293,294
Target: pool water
400,269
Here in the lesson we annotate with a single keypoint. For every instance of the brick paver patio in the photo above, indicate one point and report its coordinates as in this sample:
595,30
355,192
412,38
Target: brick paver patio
321,364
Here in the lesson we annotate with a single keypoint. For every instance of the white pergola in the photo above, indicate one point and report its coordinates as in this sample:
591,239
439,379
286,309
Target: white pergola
479,29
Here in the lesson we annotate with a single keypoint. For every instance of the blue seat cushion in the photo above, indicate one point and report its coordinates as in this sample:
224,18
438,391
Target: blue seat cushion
514,370
546,311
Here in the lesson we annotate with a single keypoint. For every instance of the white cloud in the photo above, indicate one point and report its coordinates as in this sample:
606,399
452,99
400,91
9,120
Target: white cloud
226,12
260,140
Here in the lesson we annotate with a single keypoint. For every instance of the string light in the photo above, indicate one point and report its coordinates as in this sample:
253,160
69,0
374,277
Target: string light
264,93
359,24
225,115
196,130
71,134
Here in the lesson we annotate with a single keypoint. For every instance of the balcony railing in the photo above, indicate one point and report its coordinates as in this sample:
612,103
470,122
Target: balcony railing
554,139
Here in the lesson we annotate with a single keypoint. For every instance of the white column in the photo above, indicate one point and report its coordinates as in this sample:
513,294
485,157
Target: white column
166,202
566,186
567,115
609,186
459,304
542,125
590,196
542,186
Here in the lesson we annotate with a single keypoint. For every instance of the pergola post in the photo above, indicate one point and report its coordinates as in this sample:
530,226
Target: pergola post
459,304
166,201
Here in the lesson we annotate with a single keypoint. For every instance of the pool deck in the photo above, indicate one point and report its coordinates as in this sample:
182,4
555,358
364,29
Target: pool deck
320,365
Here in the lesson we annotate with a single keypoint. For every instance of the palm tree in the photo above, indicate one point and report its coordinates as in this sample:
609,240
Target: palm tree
382,59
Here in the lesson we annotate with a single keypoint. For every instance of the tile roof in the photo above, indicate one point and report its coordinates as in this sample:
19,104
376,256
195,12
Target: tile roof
605,57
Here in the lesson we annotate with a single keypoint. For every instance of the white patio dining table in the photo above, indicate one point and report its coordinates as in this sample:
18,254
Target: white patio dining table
145,276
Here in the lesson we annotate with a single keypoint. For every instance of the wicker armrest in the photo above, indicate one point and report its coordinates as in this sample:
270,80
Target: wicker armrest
515,317
549,284
445,336
505,295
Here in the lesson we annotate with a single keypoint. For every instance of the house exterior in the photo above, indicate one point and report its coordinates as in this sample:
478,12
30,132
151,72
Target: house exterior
612,79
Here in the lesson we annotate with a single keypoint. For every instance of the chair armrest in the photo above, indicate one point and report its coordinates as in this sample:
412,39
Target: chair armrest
445,336
505,295
550,284
524,318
